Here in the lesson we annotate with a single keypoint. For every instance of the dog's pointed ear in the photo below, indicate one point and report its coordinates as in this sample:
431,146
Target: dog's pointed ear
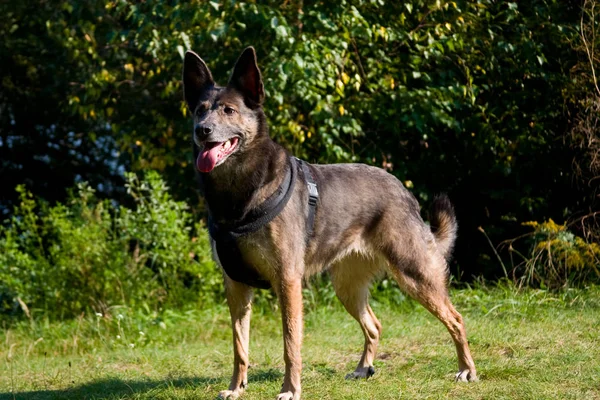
246,77
196,79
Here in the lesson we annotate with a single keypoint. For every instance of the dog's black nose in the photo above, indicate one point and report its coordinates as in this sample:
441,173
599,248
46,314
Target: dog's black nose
203,131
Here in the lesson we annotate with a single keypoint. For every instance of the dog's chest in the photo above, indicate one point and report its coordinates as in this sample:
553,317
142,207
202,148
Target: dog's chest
245,260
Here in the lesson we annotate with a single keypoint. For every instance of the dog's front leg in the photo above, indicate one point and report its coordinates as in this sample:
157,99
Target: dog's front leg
239,299
290,299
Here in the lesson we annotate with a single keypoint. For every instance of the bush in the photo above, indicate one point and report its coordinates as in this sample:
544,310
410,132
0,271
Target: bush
558,258
89,255
473,98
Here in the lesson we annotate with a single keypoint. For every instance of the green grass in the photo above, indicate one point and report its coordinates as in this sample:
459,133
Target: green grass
530,345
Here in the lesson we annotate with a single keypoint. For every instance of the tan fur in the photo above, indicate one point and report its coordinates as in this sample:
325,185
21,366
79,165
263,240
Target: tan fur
351,278
239,299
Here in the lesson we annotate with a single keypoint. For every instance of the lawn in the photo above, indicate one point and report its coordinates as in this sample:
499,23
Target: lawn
526,345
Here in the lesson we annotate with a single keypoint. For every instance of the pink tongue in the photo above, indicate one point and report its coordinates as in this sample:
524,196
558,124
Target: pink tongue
208,157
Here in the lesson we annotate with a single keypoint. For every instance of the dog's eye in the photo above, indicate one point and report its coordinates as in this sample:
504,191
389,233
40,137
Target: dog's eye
228,110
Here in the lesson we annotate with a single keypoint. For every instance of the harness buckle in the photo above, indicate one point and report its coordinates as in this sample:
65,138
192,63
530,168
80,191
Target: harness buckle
313,193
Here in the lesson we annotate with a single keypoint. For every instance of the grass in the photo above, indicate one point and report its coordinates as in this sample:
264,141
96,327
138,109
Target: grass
527,345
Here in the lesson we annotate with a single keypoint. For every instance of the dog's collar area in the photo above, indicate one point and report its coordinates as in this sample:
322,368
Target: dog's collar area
261,215
228,252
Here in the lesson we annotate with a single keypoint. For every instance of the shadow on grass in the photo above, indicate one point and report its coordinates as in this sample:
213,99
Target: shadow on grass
124,389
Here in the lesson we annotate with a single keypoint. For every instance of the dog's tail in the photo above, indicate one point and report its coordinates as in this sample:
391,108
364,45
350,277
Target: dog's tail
443,224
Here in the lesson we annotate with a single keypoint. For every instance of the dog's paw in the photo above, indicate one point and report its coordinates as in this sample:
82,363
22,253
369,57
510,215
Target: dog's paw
466,375
361,373
288,396
230,394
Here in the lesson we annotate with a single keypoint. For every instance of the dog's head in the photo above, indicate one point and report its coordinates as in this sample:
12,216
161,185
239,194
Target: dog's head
226,119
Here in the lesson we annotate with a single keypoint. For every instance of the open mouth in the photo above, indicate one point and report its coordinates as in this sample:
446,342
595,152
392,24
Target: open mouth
214,153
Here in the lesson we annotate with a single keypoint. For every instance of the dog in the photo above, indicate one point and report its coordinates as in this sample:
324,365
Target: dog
275,221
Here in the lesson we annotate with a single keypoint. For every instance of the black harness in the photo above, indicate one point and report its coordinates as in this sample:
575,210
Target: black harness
225,236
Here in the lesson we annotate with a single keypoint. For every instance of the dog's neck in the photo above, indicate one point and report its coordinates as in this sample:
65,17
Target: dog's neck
243,183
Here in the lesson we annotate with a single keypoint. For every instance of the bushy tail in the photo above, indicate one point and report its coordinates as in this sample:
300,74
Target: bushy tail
443,224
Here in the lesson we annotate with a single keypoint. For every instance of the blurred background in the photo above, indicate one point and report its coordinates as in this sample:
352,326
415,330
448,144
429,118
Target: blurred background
496,103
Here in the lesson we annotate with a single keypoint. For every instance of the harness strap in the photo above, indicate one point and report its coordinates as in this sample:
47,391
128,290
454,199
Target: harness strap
227,250
264,213
313,197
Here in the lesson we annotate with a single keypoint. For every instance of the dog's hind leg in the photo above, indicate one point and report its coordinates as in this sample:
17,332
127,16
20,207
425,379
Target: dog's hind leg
239,299
351,279
423,276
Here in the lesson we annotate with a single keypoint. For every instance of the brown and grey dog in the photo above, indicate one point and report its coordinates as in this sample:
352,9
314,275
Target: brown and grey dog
366,223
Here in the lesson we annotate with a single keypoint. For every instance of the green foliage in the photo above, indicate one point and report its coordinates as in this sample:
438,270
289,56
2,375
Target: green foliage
559,258
87,255
473,98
